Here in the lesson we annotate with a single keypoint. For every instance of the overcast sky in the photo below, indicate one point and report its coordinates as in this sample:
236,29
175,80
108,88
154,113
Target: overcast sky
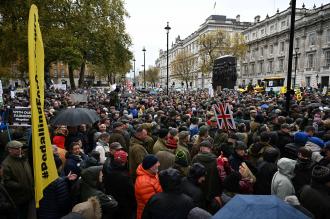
148,19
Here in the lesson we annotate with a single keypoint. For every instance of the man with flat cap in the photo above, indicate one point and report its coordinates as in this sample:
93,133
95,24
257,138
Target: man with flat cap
117,135
17,177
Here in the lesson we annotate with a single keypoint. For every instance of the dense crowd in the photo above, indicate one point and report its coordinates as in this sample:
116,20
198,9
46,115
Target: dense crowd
158,156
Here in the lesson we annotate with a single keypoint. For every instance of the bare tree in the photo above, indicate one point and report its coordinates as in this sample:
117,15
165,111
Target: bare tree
182,66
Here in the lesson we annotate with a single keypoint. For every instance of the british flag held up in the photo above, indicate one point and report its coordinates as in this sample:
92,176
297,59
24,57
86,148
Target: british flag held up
224,116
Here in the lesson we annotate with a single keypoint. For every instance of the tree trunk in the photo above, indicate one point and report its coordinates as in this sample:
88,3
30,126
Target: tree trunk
72,84
82,74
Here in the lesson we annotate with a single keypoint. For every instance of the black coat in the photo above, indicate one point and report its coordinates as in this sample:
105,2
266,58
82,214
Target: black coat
56,201
283,139
316,199
212,185
118,183
191,189
264,176
7,205
303,175
168,205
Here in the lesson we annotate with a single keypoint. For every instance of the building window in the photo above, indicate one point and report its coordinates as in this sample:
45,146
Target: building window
253,35
327,58
270,66
271,49
62,73
252,68
261,67
312,39
262,51
297,43
281,64
283,24
308,81
328,35
272,27
246,69
262,32
310,60
282,46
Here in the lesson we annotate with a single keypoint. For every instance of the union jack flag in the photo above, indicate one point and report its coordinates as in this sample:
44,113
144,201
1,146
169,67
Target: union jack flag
224,116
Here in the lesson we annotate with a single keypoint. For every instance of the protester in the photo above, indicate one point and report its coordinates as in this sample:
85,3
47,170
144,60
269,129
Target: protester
147,182
315,197
281,182
74,158
102,146
18,179
118,183
117,135
171,203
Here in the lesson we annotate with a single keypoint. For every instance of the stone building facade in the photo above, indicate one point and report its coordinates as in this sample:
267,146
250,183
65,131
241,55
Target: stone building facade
268,46
190,44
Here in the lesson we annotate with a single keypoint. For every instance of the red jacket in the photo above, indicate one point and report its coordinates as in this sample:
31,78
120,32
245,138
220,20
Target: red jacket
59,141
146,185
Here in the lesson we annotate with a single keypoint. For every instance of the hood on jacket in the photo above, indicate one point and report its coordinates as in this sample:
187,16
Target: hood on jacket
286,167
91,175
205,157
170,180
271,155
90,209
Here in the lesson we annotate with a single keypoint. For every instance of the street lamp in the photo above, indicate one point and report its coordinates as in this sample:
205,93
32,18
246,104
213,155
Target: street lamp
167,28
317,81
134,72
144,66
295,67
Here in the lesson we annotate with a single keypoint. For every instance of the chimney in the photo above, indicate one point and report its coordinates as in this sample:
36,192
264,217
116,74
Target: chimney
257,19
238,18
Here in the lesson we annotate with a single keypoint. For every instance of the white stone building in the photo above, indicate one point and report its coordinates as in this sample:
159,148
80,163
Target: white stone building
190,44
268,46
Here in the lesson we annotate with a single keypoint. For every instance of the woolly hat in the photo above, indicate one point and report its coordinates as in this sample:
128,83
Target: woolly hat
206,144
203,130
183,134
301,138
120,157
117,124
181,159
149,161
198,213
317,141
240,145
321,174
171,142
196,171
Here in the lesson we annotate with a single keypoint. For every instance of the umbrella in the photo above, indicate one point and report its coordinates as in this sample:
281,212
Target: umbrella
264,106
314,105
75,117
258,207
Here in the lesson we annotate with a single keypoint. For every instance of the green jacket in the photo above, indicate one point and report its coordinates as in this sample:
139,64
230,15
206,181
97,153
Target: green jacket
160,145
211,188
18,179
135,156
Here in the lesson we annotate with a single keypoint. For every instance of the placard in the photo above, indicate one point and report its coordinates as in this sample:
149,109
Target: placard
21,115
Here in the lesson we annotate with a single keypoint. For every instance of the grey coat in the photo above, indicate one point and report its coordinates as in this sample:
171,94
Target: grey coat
281,182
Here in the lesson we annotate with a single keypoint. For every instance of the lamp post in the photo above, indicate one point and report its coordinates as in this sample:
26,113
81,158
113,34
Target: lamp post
134,72
167,28
317,81
144,66
295,67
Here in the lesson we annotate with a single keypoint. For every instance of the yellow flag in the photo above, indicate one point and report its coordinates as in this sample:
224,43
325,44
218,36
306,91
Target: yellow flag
43,159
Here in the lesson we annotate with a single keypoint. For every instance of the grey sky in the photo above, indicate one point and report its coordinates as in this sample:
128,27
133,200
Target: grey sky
148,19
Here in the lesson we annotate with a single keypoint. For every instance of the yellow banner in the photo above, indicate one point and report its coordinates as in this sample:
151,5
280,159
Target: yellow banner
43,159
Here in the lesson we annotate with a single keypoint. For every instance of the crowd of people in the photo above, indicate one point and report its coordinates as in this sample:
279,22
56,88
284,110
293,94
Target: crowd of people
159,156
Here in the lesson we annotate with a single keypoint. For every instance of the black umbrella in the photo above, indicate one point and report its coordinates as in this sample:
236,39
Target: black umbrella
75,117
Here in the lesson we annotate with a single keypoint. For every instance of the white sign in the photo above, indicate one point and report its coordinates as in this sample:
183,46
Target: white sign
59,86
325,89
78,98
